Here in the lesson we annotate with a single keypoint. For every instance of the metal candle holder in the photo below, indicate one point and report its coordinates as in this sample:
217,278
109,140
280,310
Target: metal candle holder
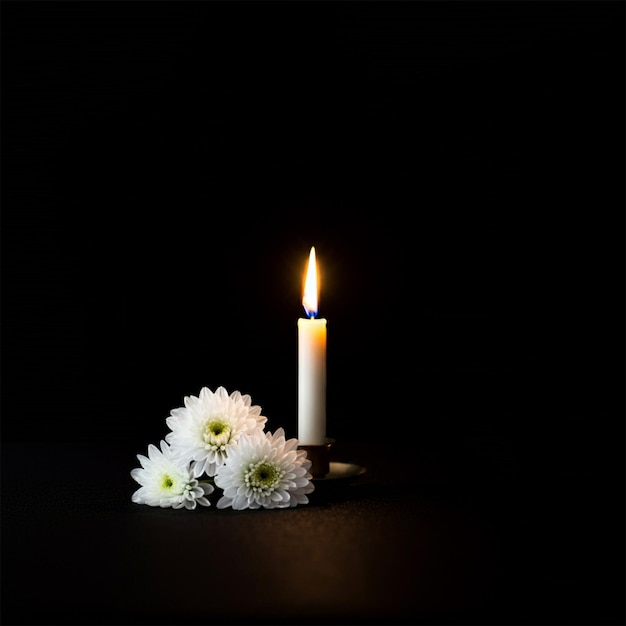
319,455
327,471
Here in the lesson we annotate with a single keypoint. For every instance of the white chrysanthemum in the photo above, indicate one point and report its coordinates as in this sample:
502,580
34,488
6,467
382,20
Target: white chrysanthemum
265,470
209,426
168,482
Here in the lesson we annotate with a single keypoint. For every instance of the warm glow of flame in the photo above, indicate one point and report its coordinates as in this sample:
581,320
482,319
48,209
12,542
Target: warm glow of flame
309,299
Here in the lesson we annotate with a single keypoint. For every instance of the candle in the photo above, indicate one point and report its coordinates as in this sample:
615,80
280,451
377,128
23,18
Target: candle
311,364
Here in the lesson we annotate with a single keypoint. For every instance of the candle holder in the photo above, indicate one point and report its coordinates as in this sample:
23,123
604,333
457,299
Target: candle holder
319,455
323,469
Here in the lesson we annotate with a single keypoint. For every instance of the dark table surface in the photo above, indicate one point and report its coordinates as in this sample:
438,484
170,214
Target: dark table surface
472,536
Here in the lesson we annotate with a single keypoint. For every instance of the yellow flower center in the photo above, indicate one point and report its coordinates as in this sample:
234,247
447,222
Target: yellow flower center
216,435
263,477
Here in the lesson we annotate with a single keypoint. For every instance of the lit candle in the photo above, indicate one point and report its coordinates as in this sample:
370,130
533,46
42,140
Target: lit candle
311,364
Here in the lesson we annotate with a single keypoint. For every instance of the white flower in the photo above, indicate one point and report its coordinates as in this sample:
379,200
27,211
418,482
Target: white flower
264,470
168,482
208,427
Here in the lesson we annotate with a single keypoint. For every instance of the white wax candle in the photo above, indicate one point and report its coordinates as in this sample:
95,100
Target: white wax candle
311,365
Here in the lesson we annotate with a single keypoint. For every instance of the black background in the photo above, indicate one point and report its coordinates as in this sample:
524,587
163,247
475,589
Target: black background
459,168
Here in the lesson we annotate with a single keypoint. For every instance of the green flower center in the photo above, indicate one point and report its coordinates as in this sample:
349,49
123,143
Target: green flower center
216,435
168,482
263,476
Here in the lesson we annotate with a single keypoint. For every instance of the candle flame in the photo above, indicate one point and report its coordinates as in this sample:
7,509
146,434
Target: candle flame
309,299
